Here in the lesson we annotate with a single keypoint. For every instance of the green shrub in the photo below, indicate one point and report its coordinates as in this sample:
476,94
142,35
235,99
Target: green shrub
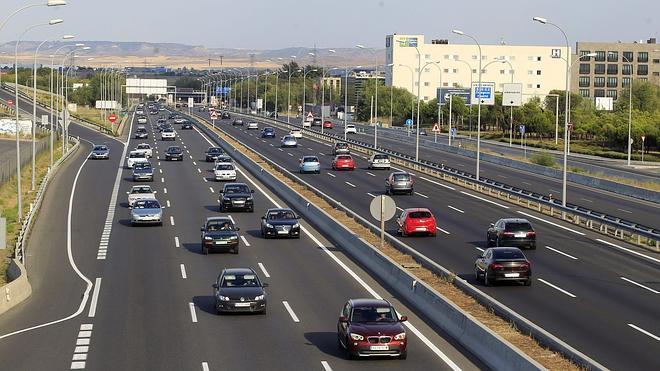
543,159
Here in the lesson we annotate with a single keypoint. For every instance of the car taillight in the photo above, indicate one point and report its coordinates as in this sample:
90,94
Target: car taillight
524,265
508,234
495,266
531,234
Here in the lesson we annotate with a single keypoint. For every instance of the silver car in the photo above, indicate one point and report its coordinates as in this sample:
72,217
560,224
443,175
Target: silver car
289,141
146,212
399,182
379,161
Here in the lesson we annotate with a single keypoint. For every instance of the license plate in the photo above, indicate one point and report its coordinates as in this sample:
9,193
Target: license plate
283,232
242,304
521,234
420,229
511,275
220,242
379,347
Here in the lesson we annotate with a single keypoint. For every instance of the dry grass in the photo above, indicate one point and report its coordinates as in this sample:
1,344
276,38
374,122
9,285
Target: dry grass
549,359
9,203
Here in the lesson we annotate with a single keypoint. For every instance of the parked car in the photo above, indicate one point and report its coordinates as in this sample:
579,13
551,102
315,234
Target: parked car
224,171
343,162
515,232
219,233
236,196
309,164
289,141
146,212
498,264
379,161
142,171
399,182
371,327
280,223
212,153
174,153
239,290
415,221
135,156
350,129
340,148
146,148
268,133
140,192
100,151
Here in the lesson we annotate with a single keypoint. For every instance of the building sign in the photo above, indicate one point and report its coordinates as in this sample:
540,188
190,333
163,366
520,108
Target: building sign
556,53
512,95
485,94
406,42
604,103
442,94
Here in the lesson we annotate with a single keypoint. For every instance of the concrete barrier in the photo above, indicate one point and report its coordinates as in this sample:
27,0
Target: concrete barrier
18,289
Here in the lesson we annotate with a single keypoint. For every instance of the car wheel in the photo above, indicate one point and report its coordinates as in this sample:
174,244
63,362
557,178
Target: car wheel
487,281
263,311
532,246
528,282
349,355
477,276
403,355
339,344
205,250
235,250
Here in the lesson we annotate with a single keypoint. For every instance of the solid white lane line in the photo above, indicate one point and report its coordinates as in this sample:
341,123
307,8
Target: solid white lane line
291,313
171,220
332,175
644,332
168,203
453,208
561,252
326,366
485,200
211,189
640,285
421,195
557,288
176,242
351,184
193,315
437,183
263,269
551,223
205,366
164,190
183,272
95,298
371,194
245,241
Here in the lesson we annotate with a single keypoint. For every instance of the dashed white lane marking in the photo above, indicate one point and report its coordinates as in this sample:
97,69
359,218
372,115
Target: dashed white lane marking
195,163
79,358
193,314
527,183
95,298
183,271
442,230
351,184
291,313
245,241
321,153
160,171
199,171
176,242
205,180
551,223
502,176
168,203
485,200
158,163
191,157
421,195
271,144
232,219
479,248
310,149
332,175
644,332
326,366
162,180
625,211
371,174
437,183
561,252
557,288
211,189
456,209
205,366
371,194
640,285
290,154
171,220
263,269
165,190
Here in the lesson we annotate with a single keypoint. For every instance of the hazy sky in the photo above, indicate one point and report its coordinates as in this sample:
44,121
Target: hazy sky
273,24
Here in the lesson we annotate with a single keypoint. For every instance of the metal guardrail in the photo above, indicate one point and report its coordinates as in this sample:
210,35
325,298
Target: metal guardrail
19,250
591,219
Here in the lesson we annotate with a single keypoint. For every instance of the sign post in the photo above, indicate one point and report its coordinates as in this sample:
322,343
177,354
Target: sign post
435,130
409,123
522,138
214,116
382,208
511,96
643,138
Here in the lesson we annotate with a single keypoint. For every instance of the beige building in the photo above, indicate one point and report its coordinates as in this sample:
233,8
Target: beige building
614,67
539,69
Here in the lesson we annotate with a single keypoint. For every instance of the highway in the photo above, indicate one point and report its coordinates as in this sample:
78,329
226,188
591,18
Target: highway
600,297
146,291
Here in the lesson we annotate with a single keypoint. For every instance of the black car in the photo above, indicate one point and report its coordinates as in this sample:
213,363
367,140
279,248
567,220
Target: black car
163,126
219,233
141,133
225,116
186,126
143,171
161,121
171,116
511,232
236,196
498,264
239,290
212,153
268,133
174,153
223,158
280,223
237,122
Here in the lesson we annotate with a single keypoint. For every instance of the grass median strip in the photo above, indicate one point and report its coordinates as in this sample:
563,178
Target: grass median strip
550,359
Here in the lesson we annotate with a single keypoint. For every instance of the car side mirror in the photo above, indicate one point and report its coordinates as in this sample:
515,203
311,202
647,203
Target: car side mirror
202,229
252,191
128,193
403,318
238,228
215,285
492,225
263,217
343,319
221,191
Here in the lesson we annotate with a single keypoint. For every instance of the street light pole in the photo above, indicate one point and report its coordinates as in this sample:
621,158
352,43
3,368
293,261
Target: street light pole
630,112
412,90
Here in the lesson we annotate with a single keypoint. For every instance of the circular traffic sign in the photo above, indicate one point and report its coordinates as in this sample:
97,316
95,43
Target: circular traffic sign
10,102
112,118
382,205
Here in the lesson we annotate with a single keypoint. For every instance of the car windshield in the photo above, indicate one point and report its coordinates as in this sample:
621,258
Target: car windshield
141,130
268,130
147,204
373,314
401,177
289,138
518,227
223,159
219,225
142,165
281,215
168,130
341,145
214,150
419,214
380,157
508,254
345,157
100,148
174,150
310,159
241,188
141,190
136,155
143,146
224,167
240,280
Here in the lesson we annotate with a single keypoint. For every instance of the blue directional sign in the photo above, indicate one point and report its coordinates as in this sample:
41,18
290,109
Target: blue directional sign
409,122
484,94
222,90
522,128
453,132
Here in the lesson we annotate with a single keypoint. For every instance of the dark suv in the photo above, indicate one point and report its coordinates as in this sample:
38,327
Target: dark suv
236,196
212,153
219,233
514,232
280,223
239,290
174,153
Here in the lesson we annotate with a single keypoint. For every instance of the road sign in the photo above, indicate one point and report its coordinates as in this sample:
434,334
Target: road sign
486,93
408,122
310,115
112,118
453,132
643,138
436,128
512,95
214,115
570,127
388,207
442,94
522,128
10,102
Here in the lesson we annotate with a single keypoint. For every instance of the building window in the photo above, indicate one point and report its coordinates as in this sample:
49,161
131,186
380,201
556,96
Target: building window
656,73
642,69
599,69
612,94
628,57
529,86
446,70
530,72
599,93
483,71
584,93
427,70
585,68
656,61
538,72
582,55
484,57
626,69
612,69
599,82
427,56
643,79
612,82
416,83
502,72
455,84
426,83
612,56
584,81
538,86
474,57
538,59
643,57
454,70
625,82
474,70
446,56
445,84
600,56
427,98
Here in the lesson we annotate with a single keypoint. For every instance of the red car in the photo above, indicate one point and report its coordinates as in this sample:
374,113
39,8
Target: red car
416,221
343,162
328,125
371,328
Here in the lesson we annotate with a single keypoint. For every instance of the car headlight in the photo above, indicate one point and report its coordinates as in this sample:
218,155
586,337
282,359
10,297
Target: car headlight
400,336
207,238
260,297
269,225
226,199
223,298
356,336
297,225
233,237
249,198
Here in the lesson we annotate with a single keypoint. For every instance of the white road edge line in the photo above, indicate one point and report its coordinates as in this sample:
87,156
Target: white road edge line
561,252
640,285
437,183
629,250
485,200
245,241
263,269
644,331
183,272
551,223
193,315
95,298
205,366
557,288
291,313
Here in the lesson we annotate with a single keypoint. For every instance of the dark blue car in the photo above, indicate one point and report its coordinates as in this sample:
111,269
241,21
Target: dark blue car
268,133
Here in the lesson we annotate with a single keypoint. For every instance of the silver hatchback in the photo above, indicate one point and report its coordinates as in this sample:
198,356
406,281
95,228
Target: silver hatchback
399,182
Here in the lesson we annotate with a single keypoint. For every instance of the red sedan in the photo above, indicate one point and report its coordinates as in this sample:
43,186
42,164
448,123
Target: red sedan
328,125
417,221
343,162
